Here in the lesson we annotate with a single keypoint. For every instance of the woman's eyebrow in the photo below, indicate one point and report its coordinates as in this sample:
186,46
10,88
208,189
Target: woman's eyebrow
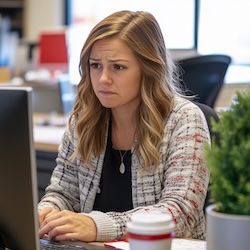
118,60
110,60
94,59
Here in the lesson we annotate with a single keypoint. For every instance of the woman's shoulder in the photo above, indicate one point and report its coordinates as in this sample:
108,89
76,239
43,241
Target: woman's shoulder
70,132
71,123
184,112
183,105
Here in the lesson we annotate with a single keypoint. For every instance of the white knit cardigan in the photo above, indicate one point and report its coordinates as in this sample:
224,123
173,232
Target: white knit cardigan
177,187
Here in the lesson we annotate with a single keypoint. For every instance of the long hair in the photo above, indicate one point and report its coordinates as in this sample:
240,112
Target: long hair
142,33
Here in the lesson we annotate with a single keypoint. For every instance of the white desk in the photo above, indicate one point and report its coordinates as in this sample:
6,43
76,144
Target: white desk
48,138
177,244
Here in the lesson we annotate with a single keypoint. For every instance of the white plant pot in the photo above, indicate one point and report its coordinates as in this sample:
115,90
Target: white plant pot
227,231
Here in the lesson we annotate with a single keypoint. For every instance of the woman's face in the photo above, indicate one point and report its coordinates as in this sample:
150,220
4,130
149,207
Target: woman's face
115,74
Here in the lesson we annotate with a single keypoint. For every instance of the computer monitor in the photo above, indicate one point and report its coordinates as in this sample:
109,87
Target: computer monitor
18,180
18,177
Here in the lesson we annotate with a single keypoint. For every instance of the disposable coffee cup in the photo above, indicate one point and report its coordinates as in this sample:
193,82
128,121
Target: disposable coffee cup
150,231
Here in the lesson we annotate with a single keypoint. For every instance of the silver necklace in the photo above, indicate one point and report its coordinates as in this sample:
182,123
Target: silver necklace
122,165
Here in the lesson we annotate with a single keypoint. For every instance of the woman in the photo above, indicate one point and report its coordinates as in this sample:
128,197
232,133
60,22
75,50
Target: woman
133,143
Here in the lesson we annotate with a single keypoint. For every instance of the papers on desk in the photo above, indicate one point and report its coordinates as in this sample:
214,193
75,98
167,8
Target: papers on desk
177,244
117,244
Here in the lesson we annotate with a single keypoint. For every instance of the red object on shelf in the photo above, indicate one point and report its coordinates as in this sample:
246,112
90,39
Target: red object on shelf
53,50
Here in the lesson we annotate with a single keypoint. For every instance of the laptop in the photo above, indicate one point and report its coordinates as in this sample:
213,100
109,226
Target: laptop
18,178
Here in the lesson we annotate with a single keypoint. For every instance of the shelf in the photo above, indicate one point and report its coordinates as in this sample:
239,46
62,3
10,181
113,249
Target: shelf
9,4
14,9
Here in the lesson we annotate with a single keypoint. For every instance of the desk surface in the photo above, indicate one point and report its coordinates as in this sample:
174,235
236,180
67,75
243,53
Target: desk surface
177,244
48,138
48,131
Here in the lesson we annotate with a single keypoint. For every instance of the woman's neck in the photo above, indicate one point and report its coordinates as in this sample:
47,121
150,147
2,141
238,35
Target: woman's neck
123,131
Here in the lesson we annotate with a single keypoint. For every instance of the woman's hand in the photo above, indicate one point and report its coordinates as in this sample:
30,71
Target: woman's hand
44,213
66,225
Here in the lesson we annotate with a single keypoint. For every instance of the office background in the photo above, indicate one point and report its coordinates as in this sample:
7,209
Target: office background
228,27
31,17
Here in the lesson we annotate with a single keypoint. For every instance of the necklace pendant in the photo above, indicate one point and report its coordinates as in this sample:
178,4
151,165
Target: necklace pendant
122,168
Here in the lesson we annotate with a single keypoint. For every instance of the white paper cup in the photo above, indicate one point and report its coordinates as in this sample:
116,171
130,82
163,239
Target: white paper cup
150,231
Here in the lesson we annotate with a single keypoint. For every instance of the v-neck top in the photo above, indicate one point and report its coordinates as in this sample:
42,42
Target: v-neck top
115,189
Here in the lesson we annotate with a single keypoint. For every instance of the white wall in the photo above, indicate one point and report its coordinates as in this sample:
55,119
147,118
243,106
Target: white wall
40,14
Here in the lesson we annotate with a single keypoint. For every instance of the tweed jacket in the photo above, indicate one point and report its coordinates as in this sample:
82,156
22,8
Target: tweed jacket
177,187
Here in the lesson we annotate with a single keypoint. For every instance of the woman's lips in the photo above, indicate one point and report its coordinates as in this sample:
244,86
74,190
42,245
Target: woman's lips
106,93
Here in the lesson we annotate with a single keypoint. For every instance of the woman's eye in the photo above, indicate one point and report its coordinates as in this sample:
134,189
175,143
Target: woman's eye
119,67
95,65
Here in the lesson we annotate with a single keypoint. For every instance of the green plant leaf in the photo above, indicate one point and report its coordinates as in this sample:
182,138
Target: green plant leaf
229,162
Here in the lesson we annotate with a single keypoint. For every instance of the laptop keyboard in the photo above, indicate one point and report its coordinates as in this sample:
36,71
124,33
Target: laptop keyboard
46,245
69,245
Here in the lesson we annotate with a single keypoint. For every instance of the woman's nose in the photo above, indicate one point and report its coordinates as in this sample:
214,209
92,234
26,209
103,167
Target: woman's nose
105,77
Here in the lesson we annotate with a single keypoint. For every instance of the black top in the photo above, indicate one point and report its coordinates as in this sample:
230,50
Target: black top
115,188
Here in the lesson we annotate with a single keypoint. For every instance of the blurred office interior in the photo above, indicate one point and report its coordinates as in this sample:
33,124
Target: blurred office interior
41,40
190,28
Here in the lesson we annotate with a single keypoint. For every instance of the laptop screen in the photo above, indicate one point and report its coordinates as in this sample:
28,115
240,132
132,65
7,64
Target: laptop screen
18,180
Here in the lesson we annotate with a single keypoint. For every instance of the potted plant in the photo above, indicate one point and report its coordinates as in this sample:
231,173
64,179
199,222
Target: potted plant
228,219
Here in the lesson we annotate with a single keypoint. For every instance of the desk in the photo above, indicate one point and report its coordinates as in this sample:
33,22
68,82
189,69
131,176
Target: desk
48,138
48,130
177,244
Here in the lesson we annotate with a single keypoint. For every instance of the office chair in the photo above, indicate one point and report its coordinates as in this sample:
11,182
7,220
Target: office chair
209,114
203,76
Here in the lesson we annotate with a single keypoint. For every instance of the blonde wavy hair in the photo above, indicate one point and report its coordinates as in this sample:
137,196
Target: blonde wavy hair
142,33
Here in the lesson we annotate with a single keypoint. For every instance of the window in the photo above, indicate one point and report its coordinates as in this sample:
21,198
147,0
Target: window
177,19
224,27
